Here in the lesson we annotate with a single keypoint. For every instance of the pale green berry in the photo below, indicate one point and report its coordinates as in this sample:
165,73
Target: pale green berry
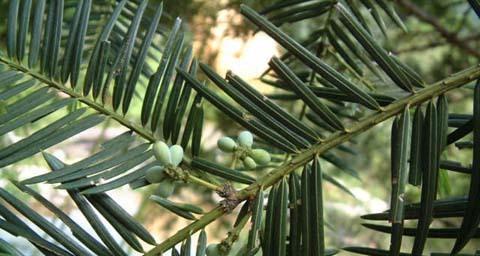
176,154
162,153
249,163
213,250
260,156
155,174
226,144
165,188
245,139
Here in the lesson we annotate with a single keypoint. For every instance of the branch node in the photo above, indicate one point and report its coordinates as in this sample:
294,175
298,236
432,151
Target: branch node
231,199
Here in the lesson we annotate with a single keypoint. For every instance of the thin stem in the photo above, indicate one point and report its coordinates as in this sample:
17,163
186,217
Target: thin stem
146,134
451,37
233,164
452,82
351,70
234,233
87,101
201,182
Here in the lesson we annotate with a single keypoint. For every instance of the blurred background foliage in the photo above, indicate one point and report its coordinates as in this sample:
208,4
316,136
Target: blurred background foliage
434,46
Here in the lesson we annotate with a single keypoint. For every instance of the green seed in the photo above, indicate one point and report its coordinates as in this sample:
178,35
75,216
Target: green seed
245,139
213,250
155,174
249,163
165,188
226,144
162,152
176,154
260,156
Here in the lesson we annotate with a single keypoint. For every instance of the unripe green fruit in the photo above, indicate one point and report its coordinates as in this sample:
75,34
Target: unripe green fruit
213,250
249,163
165,188
260,156
226,144
162,153
155,174
176,154
245,139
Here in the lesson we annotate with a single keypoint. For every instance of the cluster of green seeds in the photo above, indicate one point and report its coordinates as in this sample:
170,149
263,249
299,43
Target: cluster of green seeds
243,149
169,158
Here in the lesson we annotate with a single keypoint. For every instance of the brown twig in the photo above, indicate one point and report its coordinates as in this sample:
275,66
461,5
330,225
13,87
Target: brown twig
450,37
434,44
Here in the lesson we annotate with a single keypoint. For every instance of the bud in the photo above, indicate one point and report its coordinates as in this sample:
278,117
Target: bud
162,153
249,163
260,156
226,144
176,154
165,188
155,174
245,139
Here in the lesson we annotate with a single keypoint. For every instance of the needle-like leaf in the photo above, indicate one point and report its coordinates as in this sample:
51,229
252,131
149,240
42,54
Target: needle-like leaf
471,218
415,175
309,59
429,177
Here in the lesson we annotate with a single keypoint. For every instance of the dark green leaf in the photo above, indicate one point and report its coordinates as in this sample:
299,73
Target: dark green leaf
429,177
257,213
173,99
126,179
376,51
123,58
23,28
17,227
154,82
36,33
415,175
220,171
123,217
87,210
183,103
42,244
197,131
201,243
370,251
140,60
96,58
294,194
387,6
76,229
280,220
400,153
272,108
41,222
133,153
267,241
432,233
12,28
309,59
307,221
253,109
316,208
126,234
251,124
172,207
471,218
306,94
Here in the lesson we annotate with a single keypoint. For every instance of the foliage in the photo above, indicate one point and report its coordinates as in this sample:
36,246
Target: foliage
80,63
